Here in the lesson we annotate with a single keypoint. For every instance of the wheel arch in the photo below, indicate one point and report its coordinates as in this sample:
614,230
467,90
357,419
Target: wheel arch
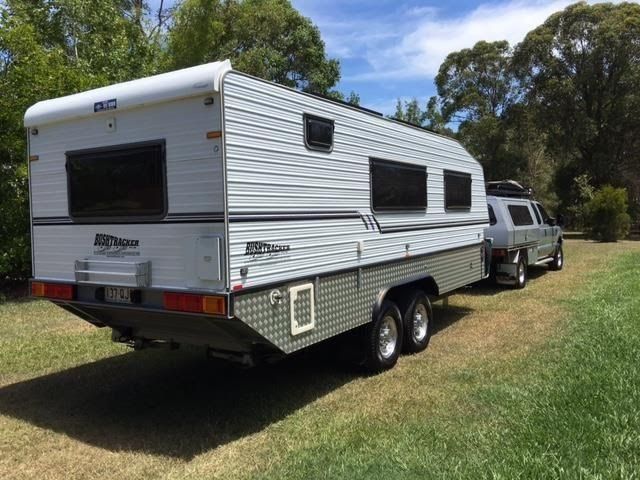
398,291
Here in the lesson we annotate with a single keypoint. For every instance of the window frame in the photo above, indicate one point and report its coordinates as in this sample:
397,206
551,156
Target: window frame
372,161
537,213
457,208
121,218
318,148
543,213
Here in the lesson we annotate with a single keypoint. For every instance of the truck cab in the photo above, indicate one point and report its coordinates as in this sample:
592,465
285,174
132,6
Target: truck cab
523,233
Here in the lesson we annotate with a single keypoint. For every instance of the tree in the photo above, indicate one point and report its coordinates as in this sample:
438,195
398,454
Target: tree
50,48
476,90
582,70
409,112
607,217
265,38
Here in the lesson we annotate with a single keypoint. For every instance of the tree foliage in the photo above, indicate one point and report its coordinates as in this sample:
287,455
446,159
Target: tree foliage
409,111
582,68
607,217
561,104
265,38
51,48
47,49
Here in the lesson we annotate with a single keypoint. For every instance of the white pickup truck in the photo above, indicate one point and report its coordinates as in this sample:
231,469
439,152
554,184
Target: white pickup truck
522,232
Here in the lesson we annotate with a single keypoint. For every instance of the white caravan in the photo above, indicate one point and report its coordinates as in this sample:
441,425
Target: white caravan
208,207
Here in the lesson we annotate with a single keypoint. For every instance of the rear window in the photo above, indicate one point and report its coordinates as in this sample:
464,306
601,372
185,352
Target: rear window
520,215
117,182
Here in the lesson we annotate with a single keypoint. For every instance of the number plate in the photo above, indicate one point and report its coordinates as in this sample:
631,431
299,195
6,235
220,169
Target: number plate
117,294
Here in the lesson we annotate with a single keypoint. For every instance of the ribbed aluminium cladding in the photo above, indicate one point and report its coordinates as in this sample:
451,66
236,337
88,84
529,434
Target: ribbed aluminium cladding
316,205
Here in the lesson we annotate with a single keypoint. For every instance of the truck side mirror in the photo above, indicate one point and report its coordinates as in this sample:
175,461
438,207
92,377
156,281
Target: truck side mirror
552,221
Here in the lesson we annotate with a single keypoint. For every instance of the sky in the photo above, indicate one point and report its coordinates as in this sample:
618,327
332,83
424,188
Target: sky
392,49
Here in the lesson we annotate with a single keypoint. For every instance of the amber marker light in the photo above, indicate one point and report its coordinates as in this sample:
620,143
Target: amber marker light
212,135
52,290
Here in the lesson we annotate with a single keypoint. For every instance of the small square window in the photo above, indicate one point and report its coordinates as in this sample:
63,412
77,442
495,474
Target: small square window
318,133
457,190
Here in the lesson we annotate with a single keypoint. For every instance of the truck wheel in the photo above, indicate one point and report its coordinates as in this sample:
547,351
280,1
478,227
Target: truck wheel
417,323
521,273
558,260
383,339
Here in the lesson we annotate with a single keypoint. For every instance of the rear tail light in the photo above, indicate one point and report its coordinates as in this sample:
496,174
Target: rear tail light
499,252
53,290
187,302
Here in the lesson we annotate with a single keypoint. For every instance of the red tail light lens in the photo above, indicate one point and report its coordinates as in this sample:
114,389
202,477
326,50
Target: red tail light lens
53,290
187,302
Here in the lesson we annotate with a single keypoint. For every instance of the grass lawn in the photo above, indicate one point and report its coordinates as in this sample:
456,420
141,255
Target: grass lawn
539,383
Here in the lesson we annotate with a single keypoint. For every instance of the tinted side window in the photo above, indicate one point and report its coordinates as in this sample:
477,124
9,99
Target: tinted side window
543,212
457,190
492,216
397,186
520,215
536,213
119,181
318,133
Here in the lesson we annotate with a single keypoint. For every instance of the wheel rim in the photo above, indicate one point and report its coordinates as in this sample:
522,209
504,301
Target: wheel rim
420,322
559,261
521,273
388,337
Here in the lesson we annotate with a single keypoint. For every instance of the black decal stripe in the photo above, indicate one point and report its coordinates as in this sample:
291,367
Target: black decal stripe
430,226
376,221
237,218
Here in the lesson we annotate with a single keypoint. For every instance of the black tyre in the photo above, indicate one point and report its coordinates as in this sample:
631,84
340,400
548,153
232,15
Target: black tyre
418,321
383,339
521,273
558,260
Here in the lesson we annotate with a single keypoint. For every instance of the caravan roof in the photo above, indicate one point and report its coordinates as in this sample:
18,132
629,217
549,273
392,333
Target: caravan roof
184,83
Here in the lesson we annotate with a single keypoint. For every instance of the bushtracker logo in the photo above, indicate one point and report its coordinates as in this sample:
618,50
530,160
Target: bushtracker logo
112,246
262,248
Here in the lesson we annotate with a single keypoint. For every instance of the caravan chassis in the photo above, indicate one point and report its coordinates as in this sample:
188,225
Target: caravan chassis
263,322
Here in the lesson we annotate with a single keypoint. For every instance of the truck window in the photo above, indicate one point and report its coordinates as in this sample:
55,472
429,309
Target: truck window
120,181
397,186
520,215
543,212
492,216
318,133
536,213
457,190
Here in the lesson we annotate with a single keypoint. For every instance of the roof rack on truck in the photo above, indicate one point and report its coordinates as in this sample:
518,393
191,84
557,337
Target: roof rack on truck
508,188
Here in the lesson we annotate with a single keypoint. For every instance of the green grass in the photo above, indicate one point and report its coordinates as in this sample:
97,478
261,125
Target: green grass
570,410
538,383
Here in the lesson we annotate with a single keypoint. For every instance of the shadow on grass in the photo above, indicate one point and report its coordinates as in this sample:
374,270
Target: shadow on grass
444,317
179,404
168,403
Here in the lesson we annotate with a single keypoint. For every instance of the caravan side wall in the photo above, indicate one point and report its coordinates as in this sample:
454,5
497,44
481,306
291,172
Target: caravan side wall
305,216
194,180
